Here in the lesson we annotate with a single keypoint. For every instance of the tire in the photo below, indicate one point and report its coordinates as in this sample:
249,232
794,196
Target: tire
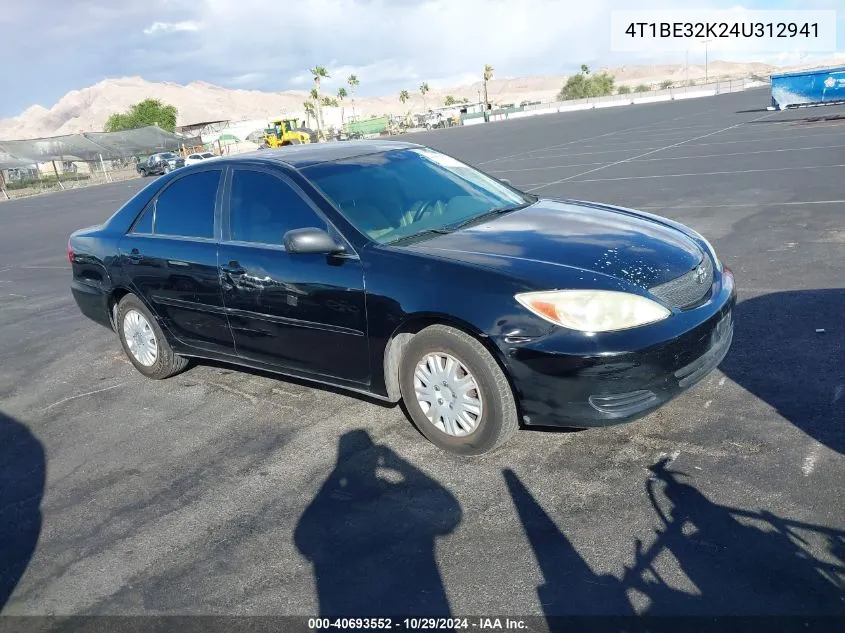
498,419
295,141
165,362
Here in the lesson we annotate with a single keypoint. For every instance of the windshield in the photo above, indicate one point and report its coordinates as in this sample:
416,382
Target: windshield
401,193
168,155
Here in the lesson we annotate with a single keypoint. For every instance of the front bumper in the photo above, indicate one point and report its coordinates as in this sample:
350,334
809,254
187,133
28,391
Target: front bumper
567,379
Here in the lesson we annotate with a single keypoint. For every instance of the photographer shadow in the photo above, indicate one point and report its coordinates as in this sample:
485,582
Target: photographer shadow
370,535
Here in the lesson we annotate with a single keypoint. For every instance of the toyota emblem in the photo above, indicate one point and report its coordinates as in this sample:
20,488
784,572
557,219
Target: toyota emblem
700,274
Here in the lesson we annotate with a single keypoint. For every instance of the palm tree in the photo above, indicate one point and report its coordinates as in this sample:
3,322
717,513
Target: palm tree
423,90
585,70
353,86
488,75
341,95
309,111
404,96
319,73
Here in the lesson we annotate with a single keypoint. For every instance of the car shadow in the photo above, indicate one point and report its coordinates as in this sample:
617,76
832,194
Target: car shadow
704,559
780,356
370,534
301,382
22,478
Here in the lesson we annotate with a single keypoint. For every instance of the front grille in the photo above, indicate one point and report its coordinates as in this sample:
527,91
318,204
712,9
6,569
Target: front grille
689,289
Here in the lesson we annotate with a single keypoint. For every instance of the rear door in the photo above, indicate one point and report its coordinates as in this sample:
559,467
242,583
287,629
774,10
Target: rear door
303,312
170,259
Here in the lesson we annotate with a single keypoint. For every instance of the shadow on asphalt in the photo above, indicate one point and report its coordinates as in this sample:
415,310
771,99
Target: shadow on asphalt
370,534
778,356
22,477
741,562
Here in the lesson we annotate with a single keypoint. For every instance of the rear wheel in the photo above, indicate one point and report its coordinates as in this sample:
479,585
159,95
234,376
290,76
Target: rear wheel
455,392
143,341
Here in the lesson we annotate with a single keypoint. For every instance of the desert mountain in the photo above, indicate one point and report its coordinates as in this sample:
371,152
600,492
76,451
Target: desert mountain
87,109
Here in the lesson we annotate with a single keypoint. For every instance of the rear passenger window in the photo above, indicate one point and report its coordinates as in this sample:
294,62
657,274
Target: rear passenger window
145,222
186,207
265,207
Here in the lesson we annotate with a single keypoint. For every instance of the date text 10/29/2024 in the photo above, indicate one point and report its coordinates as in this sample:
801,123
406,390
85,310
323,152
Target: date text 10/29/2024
429,624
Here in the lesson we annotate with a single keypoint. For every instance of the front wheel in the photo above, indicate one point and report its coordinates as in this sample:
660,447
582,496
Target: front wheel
143,341
455,392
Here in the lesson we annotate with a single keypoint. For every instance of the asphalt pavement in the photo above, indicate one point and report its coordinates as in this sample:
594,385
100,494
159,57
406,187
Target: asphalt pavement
222,491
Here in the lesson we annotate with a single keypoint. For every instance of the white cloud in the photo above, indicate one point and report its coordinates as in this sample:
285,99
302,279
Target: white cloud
171,27
270,45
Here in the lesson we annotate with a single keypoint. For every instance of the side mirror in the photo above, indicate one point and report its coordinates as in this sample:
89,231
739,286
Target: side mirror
507,182
311,240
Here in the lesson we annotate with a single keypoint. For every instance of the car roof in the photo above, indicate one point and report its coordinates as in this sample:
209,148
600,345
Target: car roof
299,156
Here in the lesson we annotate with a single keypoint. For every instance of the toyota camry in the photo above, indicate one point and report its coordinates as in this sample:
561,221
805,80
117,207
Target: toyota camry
397,271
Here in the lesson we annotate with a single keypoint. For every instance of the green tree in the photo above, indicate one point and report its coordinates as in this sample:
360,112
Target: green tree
309,110
423,89
319,73
404,96
666,84
582,85
624,90
147,112
329,102
641,88
488,75
353,82
450,100
341,95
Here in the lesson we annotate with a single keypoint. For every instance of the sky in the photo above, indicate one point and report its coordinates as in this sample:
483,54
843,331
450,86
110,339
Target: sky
50,47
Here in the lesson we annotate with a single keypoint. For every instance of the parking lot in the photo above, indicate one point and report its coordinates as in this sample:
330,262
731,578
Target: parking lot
222,491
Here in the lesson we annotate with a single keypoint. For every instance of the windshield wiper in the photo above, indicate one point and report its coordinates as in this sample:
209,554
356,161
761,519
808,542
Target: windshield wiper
419,235
486,215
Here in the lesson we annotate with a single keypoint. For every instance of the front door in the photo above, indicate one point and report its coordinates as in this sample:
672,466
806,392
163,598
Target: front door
170,259
303,312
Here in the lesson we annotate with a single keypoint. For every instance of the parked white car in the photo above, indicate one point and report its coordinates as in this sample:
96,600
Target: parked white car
195,158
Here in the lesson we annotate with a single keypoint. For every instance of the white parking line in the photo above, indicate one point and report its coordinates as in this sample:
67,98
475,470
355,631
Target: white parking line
748,141
701,173
649,160
738,206
83,395
626,160
590,138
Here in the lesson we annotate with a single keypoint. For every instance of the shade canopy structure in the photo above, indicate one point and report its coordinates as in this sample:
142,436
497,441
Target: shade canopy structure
91,146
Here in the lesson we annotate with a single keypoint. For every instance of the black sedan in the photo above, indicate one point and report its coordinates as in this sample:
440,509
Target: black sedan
397,271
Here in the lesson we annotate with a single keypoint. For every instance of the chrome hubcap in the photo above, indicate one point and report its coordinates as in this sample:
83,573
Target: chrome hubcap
140,338
448,394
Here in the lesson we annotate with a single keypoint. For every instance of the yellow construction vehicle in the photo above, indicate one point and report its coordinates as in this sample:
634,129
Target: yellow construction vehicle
287,132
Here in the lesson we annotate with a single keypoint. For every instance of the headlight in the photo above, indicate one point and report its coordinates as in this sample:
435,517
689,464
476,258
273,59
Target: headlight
593,310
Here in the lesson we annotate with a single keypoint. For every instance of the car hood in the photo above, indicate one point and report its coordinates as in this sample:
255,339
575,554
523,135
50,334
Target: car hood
619,243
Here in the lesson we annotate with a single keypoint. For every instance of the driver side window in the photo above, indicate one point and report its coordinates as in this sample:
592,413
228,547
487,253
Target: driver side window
264,207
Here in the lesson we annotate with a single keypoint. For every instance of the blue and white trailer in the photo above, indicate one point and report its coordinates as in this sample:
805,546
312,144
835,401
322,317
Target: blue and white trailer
808,87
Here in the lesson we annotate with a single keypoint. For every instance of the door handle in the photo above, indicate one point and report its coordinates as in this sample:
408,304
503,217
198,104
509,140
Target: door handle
233,268
134,256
